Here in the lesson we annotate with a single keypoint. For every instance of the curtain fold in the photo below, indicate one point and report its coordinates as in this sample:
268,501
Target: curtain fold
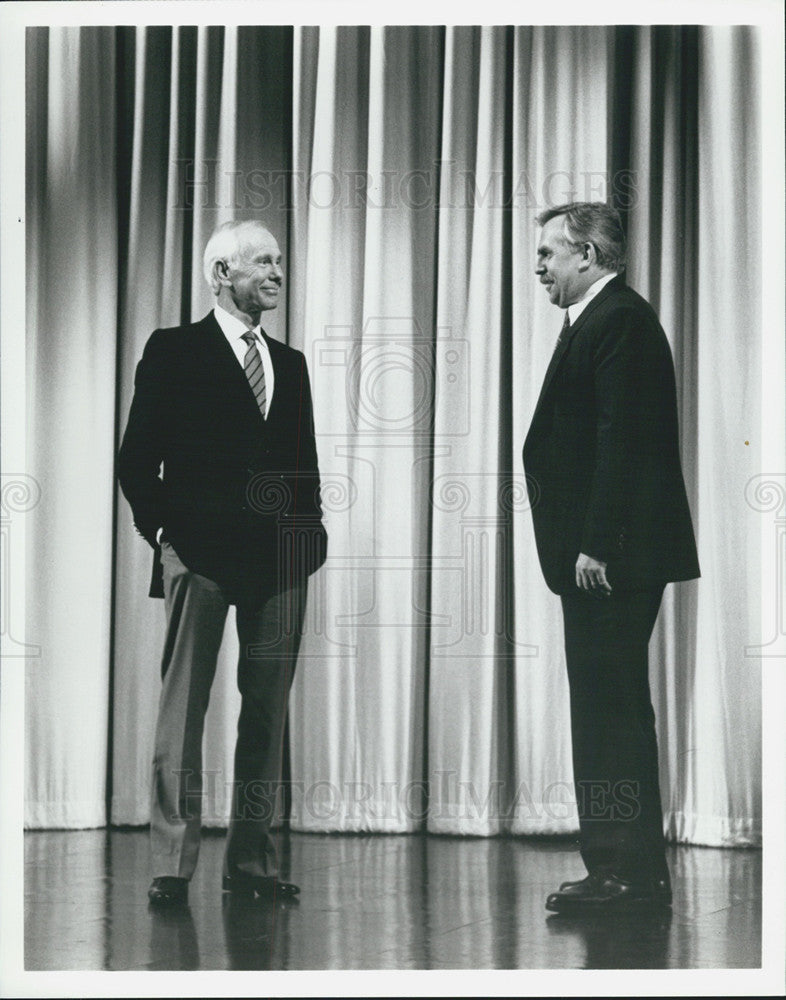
71,418
362,269
400,169
727,727
470,659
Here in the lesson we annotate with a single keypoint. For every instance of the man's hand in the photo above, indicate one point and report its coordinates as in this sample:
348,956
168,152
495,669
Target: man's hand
591,576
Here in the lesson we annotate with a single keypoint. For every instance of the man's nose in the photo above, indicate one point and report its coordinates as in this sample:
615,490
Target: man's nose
540,268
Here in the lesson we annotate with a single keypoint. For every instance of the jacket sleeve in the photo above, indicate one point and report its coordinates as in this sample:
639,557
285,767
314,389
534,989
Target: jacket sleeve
311,548
142,450
307,500
620,400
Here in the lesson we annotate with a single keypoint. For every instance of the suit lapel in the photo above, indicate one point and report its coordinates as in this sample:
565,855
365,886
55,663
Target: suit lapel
221,363
609,289
278,370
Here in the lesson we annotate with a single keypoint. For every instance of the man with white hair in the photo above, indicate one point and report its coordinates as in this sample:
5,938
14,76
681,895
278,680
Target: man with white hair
235,519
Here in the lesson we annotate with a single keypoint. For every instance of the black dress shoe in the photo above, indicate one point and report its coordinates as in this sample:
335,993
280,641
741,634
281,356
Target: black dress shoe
603,891
579,881
662,886
168,891
267,886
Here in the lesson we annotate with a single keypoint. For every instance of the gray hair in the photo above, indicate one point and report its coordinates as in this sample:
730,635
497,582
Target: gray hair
226,243
592,222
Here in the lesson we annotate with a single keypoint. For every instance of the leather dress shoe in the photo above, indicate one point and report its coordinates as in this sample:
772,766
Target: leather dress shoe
167,890
662,886
578,881
605,891
267,886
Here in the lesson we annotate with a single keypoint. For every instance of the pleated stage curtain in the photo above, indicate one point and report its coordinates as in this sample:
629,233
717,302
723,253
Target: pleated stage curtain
400,169
71,401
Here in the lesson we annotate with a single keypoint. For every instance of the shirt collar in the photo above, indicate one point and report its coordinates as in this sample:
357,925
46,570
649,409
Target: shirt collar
233,327
578,308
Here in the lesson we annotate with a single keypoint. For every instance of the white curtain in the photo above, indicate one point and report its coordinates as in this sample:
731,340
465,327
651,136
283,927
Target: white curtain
401,169
71,344
729,416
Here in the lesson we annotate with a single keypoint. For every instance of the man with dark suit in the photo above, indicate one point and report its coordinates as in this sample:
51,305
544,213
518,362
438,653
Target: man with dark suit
235,519
612,528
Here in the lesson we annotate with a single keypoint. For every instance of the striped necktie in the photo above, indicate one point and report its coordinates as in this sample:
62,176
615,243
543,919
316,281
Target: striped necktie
255,372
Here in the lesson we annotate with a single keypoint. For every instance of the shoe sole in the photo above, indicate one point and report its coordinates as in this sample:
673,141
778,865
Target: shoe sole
167,901
228,884
576,906
231,884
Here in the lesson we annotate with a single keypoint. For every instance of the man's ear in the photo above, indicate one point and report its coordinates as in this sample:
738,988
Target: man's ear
589,256
221,272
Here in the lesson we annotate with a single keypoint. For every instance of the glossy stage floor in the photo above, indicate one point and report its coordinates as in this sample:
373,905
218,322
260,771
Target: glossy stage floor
378,902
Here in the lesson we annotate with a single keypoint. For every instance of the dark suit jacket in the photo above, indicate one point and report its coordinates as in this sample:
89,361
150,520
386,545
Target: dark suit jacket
239,497
602,453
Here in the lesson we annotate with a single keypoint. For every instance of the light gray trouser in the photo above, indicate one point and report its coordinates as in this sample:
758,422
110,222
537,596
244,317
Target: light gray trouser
196,610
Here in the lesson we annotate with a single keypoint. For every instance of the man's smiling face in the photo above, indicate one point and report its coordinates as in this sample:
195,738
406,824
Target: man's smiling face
255,274
561,265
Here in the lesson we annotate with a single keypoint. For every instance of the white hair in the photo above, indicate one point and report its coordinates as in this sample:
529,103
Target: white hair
225,243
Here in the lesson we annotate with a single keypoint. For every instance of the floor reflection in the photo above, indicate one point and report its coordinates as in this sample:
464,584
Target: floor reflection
377,902
636,940
256,932
173,939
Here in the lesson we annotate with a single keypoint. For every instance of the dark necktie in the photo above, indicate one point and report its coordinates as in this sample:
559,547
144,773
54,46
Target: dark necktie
255,372
563,331
557,353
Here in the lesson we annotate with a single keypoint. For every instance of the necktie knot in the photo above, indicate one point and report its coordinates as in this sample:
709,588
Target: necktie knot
250,337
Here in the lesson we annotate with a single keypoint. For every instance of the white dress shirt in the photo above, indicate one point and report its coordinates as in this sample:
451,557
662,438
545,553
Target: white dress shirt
233,329
578,308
